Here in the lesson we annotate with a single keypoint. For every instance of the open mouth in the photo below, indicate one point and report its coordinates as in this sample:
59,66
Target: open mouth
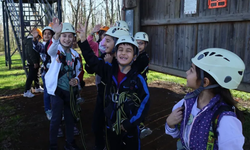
123,58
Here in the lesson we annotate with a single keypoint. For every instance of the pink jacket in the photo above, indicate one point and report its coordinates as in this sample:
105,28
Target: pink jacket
93,45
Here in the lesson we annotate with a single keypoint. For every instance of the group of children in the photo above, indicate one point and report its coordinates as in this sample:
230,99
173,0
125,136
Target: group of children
204,119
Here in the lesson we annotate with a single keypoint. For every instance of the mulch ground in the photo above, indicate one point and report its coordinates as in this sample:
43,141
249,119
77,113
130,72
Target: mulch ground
35,133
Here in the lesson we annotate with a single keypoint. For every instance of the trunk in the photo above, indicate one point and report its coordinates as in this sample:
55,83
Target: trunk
90,11
119,10
107,12
112,12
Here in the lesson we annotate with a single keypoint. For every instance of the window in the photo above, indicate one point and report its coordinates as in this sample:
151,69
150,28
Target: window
217,4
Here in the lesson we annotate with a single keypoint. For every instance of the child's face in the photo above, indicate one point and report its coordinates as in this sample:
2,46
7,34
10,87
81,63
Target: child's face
141,45
125,54
47,35
109,44
192,78
67,39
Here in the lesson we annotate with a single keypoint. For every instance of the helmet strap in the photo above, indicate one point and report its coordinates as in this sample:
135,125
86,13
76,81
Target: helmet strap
196,92
130,64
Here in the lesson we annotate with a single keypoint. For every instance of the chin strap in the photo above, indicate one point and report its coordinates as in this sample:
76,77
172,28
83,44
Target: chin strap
196,92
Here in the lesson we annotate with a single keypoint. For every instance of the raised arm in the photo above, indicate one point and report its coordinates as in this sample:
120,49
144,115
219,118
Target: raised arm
57,27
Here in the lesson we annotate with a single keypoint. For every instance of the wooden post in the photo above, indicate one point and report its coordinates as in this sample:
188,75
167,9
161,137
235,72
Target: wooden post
137,18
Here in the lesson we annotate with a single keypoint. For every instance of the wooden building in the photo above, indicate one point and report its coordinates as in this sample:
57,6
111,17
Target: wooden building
175,36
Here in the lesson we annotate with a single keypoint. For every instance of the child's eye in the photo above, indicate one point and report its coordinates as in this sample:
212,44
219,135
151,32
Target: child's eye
129,50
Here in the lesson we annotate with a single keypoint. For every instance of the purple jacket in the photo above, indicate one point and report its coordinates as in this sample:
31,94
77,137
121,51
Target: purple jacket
199,129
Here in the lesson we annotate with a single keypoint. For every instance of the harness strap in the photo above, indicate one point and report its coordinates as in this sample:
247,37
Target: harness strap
213,135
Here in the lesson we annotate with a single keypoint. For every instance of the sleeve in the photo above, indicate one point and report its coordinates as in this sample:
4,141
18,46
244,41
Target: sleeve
97,65
93,45
33,55
39,47
52,51
174,132
142,111
88,69
230,134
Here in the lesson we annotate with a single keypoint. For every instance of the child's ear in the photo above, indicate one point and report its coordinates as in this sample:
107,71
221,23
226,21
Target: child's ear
206,82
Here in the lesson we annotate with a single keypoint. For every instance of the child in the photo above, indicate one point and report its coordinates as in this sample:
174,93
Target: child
61,80
124,82
214,71
142,63
41,48
142,60
111,36
101,32
33,59
121,25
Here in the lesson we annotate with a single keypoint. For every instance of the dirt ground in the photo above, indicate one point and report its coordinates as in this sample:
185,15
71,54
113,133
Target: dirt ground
35,135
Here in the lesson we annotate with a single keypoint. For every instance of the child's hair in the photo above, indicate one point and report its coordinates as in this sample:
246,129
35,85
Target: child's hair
102,31
223,92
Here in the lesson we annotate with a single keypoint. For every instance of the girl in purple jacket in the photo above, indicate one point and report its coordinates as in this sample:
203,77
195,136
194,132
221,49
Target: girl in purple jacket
213,72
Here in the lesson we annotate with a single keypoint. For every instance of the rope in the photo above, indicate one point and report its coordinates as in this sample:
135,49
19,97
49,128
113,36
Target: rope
75,109
120,113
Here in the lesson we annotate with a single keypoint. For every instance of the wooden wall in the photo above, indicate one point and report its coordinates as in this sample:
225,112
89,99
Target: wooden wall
175,37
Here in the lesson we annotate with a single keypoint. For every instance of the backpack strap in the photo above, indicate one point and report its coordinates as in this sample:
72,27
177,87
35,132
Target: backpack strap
213,135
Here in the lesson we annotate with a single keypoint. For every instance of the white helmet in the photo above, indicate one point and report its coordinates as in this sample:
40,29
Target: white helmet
68,28
128,39
48,28
121,24
116,32
223,65
141,36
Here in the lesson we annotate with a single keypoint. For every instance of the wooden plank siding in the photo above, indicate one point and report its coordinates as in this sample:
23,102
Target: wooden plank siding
175,37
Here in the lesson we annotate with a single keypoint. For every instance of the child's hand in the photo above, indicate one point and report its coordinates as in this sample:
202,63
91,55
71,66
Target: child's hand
57,27
108,58
34,33
96,29
81,31
73,82
175,117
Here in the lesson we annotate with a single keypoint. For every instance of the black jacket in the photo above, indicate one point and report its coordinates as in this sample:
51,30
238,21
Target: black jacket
32,56
141,63
132,83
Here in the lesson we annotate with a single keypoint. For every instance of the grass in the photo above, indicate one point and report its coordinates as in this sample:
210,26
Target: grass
16,78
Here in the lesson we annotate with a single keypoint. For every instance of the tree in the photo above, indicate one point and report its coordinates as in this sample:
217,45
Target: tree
75,10
107,12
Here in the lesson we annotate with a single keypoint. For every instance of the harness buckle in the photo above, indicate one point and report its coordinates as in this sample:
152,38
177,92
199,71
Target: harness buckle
115,97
